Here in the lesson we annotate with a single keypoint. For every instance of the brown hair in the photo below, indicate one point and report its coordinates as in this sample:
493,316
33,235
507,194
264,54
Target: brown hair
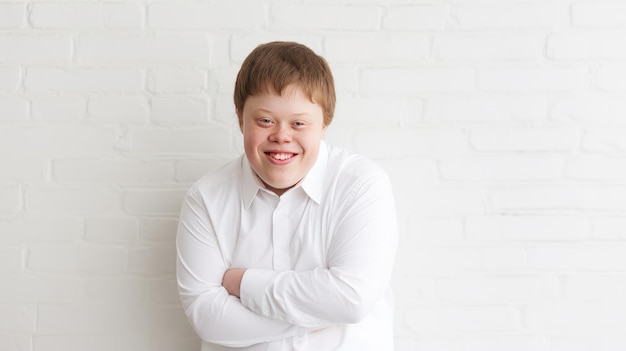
275,65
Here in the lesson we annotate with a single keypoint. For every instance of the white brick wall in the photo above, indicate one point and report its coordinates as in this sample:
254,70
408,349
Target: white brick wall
501,123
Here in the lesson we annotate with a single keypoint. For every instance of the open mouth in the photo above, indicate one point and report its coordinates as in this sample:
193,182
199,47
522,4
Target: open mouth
280,156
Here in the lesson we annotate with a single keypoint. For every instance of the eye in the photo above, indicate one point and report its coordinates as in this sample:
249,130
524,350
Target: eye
265,121
299,124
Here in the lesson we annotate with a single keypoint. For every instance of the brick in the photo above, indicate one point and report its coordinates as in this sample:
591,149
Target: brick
416,17
79,318
441,201
503,258
404,173
55,259
187,141
112,290
223,80
102,260
179,111
606,339
591,109
101,340
528,228
18,319
485,107
28,289
108,230
346,79
524,79
40,49
429,260
178,342
10,78
558,317
431,342
11,260
207,16
161,291
83,80
595,287
177,80
224,112
411,290
596,258
367,112
411,81
599,14
12,15
118,109
162,47
494,290
500,168
72,201
523,342
609,228
162,230
612,77
586,45
565,197
10,200
287,15
15,342
189,171
168,320
42,229
434,230
153,261
489,46
86,16
154,202
64,259
596,167
526,139
58,108
57,140
122,172
524,15
604,139
396,47
14,109
472,319
415,142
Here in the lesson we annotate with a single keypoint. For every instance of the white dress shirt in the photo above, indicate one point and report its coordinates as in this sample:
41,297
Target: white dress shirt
318,258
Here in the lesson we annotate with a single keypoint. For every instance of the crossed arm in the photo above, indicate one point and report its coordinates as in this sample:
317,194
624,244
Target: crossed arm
277,305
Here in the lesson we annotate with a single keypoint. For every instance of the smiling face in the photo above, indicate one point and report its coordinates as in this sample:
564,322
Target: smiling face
281,136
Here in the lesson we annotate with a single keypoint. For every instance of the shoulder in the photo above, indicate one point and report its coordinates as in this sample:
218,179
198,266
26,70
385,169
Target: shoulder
351,172
343,163
219,182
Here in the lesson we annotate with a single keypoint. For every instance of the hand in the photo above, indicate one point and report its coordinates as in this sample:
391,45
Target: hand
232,280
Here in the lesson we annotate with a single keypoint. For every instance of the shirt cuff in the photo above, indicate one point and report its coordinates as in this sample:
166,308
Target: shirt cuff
252,290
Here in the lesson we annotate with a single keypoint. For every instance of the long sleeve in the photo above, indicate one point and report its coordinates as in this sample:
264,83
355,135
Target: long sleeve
359,263
216,317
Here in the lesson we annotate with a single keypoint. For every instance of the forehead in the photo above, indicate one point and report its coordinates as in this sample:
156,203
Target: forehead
291,98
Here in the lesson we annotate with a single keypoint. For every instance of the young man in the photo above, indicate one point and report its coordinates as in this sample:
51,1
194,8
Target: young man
290,246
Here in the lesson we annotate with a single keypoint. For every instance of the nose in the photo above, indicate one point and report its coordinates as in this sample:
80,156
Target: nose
280,134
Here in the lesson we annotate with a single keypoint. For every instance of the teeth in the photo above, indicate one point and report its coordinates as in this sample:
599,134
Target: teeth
281,157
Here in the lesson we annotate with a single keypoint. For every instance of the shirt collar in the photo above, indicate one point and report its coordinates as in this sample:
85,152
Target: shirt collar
312,184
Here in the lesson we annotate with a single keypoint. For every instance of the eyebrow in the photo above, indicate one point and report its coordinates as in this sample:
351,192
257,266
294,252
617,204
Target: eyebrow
299,114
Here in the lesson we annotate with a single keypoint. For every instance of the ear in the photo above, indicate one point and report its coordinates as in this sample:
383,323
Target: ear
324,131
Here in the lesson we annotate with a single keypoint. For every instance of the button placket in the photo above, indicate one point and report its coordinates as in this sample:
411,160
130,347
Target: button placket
280,236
